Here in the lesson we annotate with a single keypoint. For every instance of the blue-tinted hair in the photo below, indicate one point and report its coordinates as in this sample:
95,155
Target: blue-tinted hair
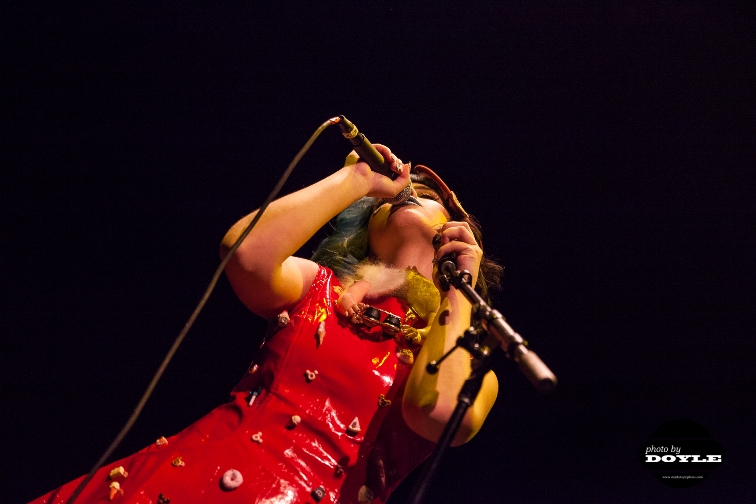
348,245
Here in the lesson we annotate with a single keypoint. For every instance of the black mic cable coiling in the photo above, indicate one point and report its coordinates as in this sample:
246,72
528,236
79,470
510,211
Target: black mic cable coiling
366,151
159,373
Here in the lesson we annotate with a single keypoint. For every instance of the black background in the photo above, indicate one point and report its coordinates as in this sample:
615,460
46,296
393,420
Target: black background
607,150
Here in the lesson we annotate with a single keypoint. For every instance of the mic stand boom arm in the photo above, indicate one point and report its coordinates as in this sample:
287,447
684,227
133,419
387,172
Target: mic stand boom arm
496,325
499,335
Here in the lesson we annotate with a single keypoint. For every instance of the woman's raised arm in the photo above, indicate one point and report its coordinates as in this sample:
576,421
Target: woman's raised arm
263,271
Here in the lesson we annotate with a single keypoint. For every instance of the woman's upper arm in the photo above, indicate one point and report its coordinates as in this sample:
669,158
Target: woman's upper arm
268,291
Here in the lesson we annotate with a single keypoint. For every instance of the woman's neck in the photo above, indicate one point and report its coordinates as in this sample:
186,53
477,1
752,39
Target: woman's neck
413,256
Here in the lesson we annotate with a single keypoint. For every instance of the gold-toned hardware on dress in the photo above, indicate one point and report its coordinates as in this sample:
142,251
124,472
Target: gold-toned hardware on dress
293,422
383,402
231,479
406,356
253,395
283,318
318,494
365,495
320,333
115,488
392,324
411,335
372,316
118,472
354,427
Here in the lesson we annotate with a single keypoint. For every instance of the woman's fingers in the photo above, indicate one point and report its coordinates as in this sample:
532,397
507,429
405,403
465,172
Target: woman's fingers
457,239
456,231
395,163
384,187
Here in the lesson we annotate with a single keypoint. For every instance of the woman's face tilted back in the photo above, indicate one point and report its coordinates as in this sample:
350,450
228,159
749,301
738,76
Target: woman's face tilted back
393,228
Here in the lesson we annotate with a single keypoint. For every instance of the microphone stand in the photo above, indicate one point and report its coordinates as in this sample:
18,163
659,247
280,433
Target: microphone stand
499,335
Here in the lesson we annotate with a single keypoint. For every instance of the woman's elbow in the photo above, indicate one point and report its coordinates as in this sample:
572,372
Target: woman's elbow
429,418
226,245
430,424
245,260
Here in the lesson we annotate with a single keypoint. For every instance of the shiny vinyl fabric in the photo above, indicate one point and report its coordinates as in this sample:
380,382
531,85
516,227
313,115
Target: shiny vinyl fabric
350,445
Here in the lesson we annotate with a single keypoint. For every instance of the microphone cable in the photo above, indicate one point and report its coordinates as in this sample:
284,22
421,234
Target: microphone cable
159,373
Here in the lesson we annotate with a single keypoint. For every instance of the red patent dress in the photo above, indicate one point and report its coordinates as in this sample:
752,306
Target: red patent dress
317,420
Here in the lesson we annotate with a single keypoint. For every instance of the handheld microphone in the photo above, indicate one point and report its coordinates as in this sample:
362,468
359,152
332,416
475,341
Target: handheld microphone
372,157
